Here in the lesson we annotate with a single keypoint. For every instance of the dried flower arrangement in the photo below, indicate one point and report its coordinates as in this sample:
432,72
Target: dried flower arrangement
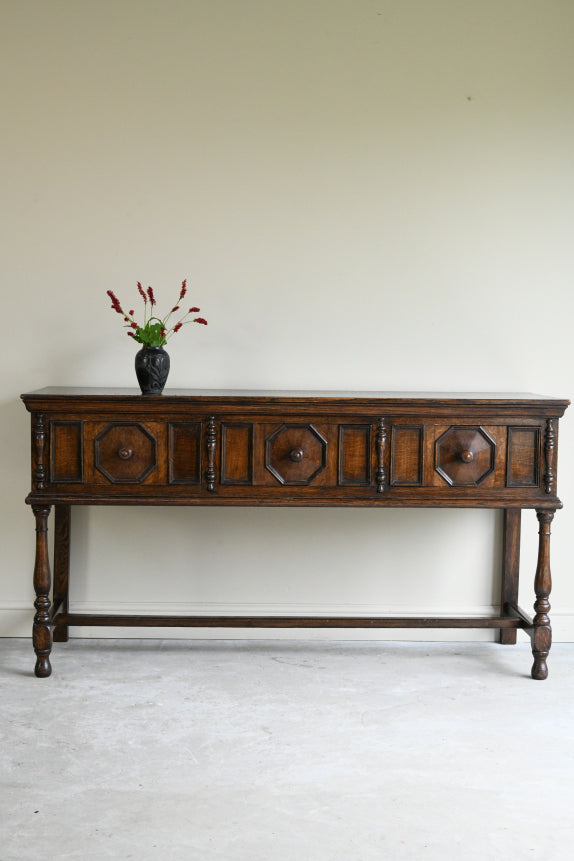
156,331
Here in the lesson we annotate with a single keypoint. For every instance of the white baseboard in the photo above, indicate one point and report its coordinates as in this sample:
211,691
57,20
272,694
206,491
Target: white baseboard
16,621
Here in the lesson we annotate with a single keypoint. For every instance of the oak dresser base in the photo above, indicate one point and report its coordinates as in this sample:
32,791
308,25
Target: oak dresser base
97,447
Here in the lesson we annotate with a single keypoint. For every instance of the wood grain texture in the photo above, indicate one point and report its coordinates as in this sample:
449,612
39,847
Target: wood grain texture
465,455
523,457
296,454
406,455
542,632
354,469
125,452
42,627
66,452
237,453
184,452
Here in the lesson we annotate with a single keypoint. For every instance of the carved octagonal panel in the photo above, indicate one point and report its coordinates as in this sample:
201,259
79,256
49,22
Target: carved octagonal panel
125,453
295,454
464,456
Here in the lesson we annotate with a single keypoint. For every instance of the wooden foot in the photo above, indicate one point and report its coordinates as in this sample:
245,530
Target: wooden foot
542,632
42,630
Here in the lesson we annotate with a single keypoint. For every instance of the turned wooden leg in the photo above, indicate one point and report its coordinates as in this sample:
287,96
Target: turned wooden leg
541,630
42,631
61,568
510,569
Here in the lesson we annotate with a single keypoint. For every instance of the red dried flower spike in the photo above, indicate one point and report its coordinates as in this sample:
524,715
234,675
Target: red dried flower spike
200,320
142,292
115,302
177,327
183,289
194,310
175,309
151,296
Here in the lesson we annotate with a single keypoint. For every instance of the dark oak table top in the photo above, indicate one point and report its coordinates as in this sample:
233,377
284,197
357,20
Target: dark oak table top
288,396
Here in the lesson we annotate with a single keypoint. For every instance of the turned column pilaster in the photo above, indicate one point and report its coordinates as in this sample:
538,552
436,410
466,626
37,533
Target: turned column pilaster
550,456
381,444
211,448
38,451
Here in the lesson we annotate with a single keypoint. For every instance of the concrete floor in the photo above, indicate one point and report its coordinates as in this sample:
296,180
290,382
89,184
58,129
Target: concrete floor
286,751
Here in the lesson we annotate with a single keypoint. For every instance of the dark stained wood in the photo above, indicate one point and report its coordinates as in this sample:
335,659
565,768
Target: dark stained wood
542,632
211,436
523,460
406,455
42,630
38,447
237,453
292,621
125,452
322,497
550,456
323,449
510,567
465,456
296,454
355,455
381,442
184,452
466,399
66,449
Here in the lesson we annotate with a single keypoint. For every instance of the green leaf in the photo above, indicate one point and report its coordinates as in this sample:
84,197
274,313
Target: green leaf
150,334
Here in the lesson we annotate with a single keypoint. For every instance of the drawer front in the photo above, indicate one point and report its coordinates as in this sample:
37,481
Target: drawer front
469,456
297,455
456,455
270,454
124,452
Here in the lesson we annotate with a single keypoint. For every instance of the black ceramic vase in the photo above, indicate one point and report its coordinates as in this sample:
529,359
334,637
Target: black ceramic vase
152,368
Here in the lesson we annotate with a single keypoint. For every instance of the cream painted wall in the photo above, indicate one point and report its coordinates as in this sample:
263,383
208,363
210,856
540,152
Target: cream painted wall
362,193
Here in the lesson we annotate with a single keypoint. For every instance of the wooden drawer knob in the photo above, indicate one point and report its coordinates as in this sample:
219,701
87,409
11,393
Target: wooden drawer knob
467,456
125,453
296,455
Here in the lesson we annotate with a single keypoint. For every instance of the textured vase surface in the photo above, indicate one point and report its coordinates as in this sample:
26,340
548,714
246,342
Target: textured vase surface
152,368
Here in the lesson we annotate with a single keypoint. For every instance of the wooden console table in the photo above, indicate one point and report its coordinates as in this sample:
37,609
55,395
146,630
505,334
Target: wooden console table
116,447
